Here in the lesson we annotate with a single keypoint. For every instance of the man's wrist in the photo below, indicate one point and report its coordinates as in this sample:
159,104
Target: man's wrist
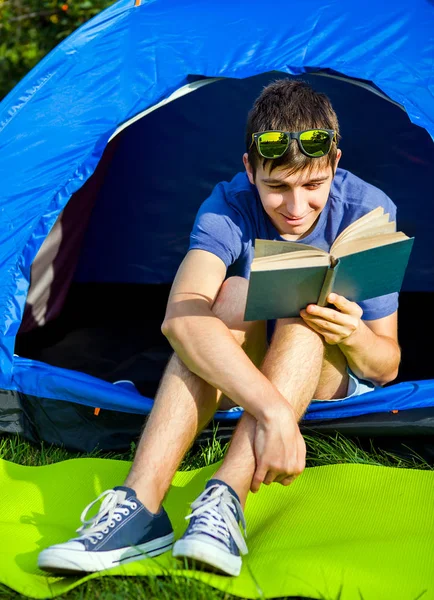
273,409
355,338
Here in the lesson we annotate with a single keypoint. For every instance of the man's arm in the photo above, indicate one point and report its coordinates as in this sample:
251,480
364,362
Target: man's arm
205,344
373,351
208,349
370,347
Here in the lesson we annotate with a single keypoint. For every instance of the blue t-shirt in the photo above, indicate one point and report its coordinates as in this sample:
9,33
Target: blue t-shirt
229,221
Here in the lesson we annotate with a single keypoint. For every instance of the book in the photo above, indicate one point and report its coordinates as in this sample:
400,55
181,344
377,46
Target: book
368,259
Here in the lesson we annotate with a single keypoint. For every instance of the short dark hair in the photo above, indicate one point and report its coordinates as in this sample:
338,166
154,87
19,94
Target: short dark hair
291,105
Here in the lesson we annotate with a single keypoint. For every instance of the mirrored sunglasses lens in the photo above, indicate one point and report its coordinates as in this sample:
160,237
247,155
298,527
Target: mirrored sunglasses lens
315,142
273,144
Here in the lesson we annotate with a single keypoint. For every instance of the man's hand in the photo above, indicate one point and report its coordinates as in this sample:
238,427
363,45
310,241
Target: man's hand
335,326
280,449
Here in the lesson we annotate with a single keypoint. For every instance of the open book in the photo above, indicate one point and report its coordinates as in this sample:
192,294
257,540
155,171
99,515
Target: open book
368,259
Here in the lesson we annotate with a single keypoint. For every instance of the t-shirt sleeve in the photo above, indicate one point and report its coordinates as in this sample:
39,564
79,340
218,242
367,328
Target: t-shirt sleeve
377,308
218,228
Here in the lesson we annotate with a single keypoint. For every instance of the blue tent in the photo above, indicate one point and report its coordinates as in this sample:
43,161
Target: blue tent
113,140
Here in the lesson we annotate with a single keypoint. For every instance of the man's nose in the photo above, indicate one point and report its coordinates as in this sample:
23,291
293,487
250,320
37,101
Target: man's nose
295,203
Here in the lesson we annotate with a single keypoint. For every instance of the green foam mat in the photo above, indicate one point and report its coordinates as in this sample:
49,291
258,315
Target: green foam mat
342,531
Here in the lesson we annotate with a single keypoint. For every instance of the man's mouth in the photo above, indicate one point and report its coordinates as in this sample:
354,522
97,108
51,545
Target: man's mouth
294,220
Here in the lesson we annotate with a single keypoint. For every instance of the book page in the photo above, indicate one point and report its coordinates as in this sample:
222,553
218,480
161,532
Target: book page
354,246
290,262
267,248
369,222
288,258
377,231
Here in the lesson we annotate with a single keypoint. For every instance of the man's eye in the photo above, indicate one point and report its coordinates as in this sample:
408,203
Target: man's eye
312,186
276,187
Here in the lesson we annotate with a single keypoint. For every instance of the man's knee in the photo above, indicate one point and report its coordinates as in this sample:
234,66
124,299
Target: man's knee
333,382
294,331
230,304
229,307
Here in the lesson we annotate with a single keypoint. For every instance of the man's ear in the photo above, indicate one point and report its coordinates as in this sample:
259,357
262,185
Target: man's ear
248,168
338,158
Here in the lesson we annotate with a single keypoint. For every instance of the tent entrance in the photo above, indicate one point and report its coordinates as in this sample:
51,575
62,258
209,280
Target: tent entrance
107,330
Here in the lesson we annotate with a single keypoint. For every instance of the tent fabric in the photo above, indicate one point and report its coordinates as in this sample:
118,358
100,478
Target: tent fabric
366,534
40,379
130,57
78,428
56,124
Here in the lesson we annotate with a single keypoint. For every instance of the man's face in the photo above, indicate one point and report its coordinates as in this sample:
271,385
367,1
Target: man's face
293,203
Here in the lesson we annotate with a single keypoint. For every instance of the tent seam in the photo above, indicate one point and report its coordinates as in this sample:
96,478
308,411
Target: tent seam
30,94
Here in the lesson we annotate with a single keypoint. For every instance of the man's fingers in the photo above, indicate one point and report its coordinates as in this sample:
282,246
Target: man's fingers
281,477
258,478
270,477
345,305
288,480
262,476
287,477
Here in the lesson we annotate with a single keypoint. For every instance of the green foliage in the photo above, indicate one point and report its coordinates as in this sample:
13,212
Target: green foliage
30,29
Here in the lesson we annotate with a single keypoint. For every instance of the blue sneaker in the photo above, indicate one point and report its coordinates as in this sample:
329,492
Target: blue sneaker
213,536
122,531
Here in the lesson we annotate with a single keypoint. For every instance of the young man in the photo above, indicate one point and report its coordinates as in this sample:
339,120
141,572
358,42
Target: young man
292,190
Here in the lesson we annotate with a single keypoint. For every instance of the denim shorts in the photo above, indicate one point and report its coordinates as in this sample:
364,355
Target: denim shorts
356,387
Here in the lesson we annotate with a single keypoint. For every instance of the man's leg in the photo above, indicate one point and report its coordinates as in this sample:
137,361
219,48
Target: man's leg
302,367
131,522
123,528
294,363
184,404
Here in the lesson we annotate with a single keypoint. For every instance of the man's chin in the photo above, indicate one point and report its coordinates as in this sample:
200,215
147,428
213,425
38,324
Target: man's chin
297,231
297,228
303,229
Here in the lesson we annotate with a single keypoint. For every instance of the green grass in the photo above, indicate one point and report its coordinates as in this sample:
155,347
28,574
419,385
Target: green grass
321,450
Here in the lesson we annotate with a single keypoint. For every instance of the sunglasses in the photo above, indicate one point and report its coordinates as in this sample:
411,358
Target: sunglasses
312,142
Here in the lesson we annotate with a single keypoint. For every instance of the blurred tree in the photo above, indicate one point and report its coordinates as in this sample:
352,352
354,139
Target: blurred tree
29,29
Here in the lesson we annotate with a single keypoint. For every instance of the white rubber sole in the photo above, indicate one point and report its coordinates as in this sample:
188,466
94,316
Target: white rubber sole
209,555
57,560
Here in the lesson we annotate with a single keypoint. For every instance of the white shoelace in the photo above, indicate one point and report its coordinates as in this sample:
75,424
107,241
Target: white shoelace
113,506
216,518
